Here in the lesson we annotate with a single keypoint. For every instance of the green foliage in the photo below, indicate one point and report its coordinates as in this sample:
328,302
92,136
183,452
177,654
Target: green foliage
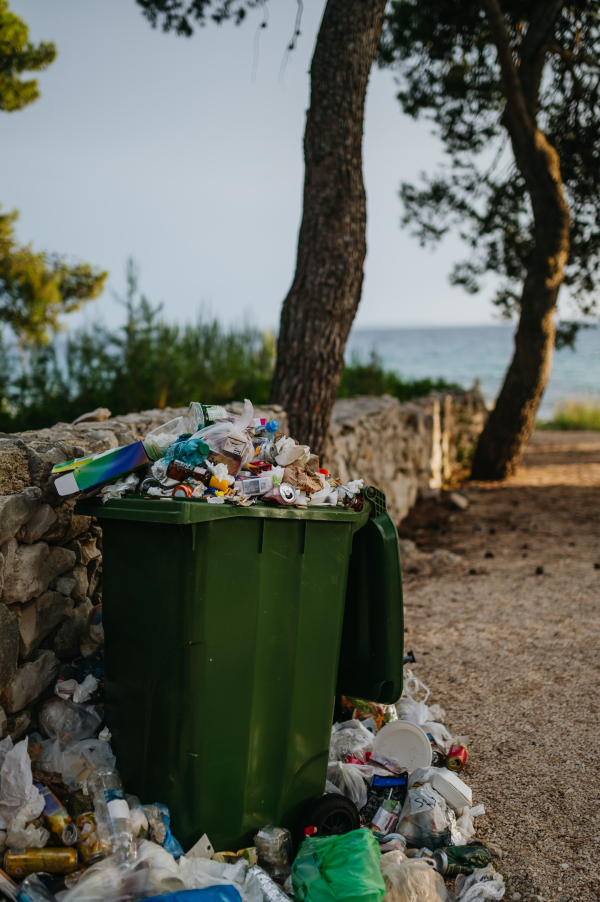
145,364
180,15
36,288
19,55
372,379
448,72
574,415
149,363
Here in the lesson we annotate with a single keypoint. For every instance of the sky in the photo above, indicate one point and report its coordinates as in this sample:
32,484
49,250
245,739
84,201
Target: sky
186,153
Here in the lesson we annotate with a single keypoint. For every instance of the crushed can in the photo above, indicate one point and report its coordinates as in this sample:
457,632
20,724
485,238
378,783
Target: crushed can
57,819
88,846
282,494
457,756
20,862
453,860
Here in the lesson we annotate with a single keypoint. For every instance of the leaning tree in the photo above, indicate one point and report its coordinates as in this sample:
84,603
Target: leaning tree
323,299
513,90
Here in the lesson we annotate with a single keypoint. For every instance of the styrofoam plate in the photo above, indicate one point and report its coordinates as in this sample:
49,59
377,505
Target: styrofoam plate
406,743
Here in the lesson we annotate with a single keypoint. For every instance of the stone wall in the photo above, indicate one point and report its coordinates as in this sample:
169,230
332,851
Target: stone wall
51,558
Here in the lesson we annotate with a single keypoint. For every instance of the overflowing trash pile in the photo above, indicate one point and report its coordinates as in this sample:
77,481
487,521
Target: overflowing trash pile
71,833
213,456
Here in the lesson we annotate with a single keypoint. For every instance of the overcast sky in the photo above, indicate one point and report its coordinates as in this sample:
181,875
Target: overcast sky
167,149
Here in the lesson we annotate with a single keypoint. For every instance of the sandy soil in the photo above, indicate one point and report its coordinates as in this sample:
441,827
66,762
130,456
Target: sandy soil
509,644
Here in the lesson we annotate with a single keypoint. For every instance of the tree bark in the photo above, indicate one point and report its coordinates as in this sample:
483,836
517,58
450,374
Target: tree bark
512,420
322,302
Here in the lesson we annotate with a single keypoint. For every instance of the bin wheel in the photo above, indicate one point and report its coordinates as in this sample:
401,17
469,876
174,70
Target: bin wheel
333,814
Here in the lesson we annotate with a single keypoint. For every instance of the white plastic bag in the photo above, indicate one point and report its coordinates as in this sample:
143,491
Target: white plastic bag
230,443
412,704
351,779
425,818
79,758
411,880
17,791
465,822
62,719
349,738
483,885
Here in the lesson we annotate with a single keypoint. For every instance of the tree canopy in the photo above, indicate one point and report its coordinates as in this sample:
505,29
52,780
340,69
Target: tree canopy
35,287
19,55
449,71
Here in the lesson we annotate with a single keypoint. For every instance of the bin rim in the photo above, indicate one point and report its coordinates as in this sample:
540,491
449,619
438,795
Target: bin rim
183,511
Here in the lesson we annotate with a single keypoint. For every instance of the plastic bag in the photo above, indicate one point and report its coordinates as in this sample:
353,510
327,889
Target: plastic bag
200,873
80,758
349,738
275,852
411,707
192,451
62,719
159,822
139,821
230,443
480,886
465,822
225,893
351,779
159,439
339,869
425,819
411,880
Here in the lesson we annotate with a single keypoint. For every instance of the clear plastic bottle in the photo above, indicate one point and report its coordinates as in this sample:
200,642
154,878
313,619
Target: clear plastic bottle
113,819
265,449
33,889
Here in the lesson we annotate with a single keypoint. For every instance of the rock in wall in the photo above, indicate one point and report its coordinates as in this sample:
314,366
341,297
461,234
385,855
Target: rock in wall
51,558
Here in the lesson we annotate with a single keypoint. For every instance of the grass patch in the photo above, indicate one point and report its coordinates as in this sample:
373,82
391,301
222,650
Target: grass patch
574,415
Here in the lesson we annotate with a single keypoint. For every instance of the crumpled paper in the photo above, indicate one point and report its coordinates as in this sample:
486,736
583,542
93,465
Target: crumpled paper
77,692
288,452
118,489
17,791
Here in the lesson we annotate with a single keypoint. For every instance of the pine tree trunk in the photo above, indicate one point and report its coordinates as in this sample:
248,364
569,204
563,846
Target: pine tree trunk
512,420
322,302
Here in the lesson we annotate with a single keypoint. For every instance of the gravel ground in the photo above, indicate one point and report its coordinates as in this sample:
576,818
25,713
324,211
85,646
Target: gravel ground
508,643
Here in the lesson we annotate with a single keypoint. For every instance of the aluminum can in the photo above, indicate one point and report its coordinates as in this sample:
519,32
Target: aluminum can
282,494
453,860
89,845
457,757
20,862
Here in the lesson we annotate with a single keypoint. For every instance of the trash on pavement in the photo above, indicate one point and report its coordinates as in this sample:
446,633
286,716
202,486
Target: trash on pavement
275,854
454,860
412,880
485,885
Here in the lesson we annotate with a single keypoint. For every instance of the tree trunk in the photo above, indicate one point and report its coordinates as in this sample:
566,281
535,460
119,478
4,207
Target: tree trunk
512,420
322,302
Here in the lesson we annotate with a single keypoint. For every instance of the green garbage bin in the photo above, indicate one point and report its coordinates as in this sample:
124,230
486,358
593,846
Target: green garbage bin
223,628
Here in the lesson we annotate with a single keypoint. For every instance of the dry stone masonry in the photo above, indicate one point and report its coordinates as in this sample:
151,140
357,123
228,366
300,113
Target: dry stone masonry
51,558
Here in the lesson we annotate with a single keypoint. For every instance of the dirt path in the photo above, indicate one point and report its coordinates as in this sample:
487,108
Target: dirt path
513,655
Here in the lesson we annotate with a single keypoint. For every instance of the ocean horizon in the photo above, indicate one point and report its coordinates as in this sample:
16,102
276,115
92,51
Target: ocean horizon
466,354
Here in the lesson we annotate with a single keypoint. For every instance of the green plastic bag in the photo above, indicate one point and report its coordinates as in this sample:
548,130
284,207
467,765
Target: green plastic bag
338,869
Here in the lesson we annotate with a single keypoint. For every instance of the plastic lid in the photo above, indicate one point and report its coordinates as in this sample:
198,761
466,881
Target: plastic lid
272,426
404,742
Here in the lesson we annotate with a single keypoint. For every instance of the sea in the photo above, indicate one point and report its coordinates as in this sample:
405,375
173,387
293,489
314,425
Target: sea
466,354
